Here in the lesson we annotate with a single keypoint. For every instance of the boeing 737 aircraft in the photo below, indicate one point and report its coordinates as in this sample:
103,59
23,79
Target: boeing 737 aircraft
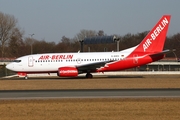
72,64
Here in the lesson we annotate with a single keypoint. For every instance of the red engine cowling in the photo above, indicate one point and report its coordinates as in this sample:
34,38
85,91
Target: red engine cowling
67,72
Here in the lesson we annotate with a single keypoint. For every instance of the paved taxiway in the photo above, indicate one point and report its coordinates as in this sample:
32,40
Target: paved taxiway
89,93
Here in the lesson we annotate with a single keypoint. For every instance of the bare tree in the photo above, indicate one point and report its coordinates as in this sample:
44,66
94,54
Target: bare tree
85,33
7,24
101,33
43,47
64,45
15,43
29,41
65,40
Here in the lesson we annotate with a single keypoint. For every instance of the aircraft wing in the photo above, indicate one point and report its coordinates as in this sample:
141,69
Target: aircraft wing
92,66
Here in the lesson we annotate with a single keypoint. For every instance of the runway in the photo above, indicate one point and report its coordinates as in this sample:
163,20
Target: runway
89,93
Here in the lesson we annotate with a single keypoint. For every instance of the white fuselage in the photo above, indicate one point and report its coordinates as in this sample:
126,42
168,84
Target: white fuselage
50,62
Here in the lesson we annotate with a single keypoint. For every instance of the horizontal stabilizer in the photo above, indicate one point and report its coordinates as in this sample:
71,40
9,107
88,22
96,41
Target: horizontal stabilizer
162,53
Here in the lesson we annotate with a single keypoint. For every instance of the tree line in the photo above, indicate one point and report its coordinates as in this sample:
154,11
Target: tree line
13,44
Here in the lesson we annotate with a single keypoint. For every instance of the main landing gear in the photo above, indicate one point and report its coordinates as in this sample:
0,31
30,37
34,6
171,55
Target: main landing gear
89,75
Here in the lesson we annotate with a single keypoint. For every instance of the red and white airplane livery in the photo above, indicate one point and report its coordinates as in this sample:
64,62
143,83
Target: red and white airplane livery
72,64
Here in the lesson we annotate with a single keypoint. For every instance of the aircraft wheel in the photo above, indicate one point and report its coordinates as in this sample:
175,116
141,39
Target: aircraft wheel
26,77
89,75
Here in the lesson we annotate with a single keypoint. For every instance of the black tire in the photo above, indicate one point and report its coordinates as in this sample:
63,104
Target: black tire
26,77
89,75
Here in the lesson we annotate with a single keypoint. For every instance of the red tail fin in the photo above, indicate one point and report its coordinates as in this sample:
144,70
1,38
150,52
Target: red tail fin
154,41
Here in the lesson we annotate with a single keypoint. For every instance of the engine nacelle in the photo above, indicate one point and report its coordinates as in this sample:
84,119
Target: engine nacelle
67,72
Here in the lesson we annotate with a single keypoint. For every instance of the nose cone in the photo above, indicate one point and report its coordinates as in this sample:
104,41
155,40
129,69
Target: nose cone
10,66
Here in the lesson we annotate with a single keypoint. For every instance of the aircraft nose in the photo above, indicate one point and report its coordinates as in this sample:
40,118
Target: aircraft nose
10,66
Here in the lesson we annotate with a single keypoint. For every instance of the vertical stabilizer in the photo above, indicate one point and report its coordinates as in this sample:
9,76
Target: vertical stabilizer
155,39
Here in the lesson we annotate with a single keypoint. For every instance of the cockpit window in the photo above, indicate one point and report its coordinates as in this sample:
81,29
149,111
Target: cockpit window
17,61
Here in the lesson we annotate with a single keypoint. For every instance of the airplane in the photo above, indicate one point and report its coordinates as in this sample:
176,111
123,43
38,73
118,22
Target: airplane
149,50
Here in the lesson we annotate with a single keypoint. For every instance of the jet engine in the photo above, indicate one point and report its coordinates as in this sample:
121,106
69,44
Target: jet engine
67,72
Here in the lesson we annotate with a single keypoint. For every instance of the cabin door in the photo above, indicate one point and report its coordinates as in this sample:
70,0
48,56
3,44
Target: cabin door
30,61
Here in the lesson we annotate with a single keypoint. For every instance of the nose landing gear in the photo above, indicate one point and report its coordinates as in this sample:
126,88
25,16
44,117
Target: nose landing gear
26,77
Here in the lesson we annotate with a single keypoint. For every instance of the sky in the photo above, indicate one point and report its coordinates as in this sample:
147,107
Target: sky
49,20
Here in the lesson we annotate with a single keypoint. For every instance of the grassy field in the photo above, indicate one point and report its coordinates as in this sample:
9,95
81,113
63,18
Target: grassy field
108,82
88,109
